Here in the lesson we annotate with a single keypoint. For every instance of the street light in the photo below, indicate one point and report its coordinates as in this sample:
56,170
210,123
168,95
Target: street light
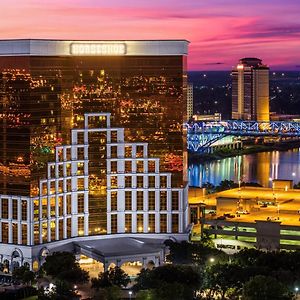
130,293
212,260
296,290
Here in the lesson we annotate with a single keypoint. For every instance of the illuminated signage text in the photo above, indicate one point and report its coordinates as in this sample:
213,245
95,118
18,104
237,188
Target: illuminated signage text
98,49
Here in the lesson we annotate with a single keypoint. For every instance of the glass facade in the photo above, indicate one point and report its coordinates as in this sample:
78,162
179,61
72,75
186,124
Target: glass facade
43,98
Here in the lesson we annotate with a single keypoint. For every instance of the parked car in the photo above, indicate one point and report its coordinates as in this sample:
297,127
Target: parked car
228,215
221,218
242,212
264,205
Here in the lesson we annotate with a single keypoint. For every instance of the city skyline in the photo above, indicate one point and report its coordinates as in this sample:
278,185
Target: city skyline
220,31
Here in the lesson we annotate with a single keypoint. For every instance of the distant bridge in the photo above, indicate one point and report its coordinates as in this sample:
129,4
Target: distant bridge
202,134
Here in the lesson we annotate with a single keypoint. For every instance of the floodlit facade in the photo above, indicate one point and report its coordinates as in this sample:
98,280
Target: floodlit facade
250,90
66,175
190,101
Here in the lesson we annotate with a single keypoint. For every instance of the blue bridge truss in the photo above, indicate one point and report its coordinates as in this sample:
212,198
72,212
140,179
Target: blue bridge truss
202,134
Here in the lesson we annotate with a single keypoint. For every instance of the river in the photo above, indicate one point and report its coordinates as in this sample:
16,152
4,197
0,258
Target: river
259,167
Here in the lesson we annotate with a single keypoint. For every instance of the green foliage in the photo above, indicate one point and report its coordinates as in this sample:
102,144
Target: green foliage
224,278
297,186
210,188
113,277
193,253
62,291
265,288
109,293
169,282
283,265
226,185
63,266
145,295
23,274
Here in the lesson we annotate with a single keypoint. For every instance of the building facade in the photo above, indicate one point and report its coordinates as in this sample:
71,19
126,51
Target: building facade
250,90
64,171
190,101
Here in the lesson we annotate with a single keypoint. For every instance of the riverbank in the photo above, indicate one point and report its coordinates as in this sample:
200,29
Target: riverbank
249,149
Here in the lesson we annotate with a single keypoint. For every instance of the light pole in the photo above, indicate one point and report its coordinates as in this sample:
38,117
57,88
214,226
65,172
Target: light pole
296,291
130,293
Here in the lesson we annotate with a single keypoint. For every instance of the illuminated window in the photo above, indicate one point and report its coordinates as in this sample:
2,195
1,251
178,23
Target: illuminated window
151,200
80,184
151,223
80,153
128,181
69,227
113,151
52,206
114,182
24,210
139,151
128,222
140,222
69,204
128,205
140,200
113,167
151,181
163,181
140,166
15,233
80,202
114,224
80,226
163,223
128,167
114,136
15,209
163,200
4,233
24,234
175,223
140,181
114,201
128,151
175,200
151,166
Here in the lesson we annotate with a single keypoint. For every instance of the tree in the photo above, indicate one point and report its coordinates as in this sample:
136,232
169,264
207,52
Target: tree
193,253
23,274
113,277
109,293
62,290
222,278
210,188
226,185
145,295
63,266
265,288
170,282
297,186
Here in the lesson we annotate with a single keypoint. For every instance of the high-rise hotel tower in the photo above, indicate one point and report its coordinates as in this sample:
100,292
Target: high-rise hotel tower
250,90
91,142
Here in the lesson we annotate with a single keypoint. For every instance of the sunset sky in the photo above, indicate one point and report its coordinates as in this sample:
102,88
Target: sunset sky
220,31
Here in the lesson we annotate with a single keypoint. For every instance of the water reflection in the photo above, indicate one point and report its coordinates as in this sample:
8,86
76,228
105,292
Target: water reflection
258,167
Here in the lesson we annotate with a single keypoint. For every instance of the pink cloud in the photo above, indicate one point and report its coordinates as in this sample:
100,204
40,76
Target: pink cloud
219,30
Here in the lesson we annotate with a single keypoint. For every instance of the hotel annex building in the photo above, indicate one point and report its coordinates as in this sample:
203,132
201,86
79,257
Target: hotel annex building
92,147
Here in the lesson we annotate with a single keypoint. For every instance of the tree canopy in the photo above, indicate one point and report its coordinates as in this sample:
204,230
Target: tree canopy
63,266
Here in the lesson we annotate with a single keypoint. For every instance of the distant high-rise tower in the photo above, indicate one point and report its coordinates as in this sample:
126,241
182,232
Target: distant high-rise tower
190,101
250,90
